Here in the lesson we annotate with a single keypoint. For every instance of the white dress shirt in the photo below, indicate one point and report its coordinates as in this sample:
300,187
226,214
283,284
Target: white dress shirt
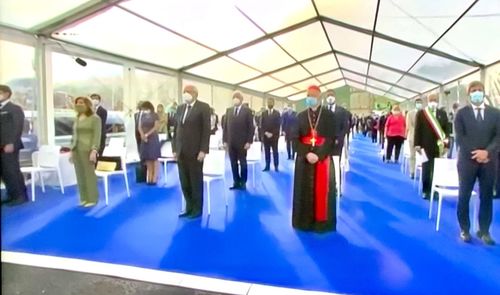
479,108
189,106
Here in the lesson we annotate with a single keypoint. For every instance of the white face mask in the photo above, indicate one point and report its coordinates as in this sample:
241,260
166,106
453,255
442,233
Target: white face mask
236,102
95,102
433,104
146,111
188,98
330,99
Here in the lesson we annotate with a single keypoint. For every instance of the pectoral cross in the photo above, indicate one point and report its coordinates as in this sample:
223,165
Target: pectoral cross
313,137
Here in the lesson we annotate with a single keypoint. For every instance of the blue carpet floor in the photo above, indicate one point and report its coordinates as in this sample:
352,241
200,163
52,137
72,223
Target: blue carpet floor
385,243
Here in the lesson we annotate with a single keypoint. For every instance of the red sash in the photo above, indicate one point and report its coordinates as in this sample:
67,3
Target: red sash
321,177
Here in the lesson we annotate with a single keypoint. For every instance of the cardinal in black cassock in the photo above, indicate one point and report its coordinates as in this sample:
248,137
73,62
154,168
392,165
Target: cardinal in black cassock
314,193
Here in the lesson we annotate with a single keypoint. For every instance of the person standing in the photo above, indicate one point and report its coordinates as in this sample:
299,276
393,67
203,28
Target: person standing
11,130
237,136
270,125
477,128
341,116
395,128
214,121
150,149
190,145
103,114
410,134
289,127
85,144
314,192
431,137
137,119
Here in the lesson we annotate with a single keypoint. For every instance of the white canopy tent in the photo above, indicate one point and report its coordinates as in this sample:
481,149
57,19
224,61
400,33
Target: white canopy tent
399,49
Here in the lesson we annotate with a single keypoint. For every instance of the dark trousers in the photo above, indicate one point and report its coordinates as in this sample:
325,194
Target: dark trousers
103,145
382,138
10,173
497,186
191,177
268,144
374,135
468,172
427,174
394,141
238,154
290,148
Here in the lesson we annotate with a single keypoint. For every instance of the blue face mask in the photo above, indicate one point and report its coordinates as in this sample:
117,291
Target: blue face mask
311,101
477,97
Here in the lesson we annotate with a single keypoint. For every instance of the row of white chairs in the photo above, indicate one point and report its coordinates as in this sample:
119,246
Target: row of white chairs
445,181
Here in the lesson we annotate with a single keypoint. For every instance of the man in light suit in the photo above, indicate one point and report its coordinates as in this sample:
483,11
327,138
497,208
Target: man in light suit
238,132
11,130
477,131
270,125
190,145
411,118
103,114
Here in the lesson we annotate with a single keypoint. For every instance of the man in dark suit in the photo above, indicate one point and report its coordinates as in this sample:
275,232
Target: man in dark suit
190,145
11,129
237,136
431,134
289,126
477,131
341,116
270,125
137,119
103,114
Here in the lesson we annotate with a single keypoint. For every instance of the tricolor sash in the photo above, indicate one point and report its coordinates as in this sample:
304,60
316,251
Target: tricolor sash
436,127
321,179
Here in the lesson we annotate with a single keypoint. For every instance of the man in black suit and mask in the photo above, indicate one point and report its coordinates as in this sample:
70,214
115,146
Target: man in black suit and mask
477,131
190,145
270,125
237,136
103,114
431,135
11,129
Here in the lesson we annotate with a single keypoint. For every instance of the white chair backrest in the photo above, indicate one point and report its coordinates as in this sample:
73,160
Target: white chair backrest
215,141
166,150
418,159
255,152
215,163
445,172
281,144
48,156
406,148
117,151
116,142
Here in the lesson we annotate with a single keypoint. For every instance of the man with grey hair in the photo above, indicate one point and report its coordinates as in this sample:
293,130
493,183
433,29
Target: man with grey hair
341,116
431,135
237,136
190,145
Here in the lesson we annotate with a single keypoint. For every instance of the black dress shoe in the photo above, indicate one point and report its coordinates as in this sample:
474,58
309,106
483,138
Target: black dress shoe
17,202
465,236
185,214
276,169
6,201
486,238
194,215
242,187
265,169
235,186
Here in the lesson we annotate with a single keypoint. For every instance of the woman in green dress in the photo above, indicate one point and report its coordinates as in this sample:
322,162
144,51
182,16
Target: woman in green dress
84,146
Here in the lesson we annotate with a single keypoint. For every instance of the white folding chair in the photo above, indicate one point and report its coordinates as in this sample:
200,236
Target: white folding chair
46,159
282,145
166,156
254,156
215,141
214,167
114,151
445,183
116,142
418,171
406,157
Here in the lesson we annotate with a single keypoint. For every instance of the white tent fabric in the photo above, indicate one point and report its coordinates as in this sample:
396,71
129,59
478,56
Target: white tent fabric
396,48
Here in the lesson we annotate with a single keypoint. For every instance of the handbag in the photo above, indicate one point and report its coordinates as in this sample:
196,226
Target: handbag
109,164
140,173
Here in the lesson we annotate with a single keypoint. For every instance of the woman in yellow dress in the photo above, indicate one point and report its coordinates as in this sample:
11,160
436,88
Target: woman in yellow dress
84,146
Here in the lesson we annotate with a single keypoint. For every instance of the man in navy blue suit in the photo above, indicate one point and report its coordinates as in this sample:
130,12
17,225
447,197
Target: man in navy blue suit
477,131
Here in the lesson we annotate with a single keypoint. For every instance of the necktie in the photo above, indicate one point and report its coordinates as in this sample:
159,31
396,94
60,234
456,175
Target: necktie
479,117
235,112
187,112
